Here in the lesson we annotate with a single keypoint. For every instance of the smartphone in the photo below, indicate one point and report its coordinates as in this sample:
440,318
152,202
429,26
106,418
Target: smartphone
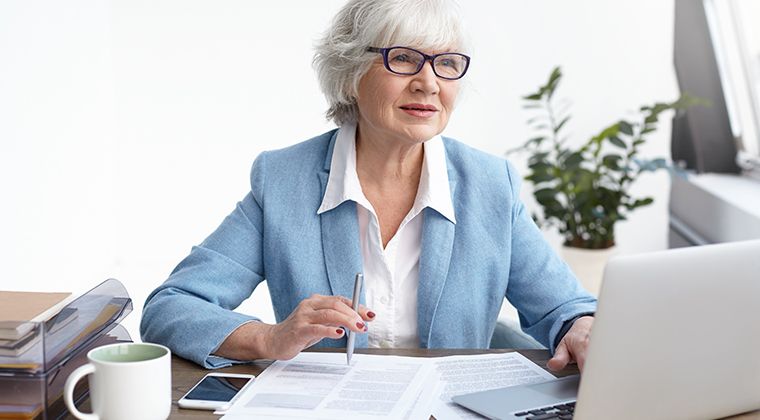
216,391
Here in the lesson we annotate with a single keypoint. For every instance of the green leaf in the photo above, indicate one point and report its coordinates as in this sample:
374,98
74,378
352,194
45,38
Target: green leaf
553,82
611,131
533,97
536,118
541,166
537,158
625,128
584,180
660,107
546,197
687,100
612,162
561,124
555,75
617,142
540,177
562,155
534,141
573,160
545,193
642,202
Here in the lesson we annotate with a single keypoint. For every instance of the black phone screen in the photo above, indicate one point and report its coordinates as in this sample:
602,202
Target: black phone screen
217,388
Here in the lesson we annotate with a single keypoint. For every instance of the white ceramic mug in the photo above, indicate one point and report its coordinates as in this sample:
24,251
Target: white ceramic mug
127,381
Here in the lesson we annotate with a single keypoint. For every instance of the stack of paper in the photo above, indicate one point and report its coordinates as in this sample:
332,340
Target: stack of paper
322,386
19,313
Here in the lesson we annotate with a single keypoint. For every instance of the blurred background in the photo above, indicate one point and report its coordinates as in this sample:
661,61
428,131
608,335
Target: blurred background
128,128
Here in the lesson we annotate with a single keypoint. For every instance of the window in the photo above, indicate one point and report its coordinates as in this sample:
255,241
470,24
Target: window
736,42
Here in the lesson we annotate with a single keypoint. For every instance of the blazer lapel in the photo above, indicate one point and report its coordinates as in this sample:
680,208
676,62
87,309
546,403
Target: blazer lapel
435,256
340,244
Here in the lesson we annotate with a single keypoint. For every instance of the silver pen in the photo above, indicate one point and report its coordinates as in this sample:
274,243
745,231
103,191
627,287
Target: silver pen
355,306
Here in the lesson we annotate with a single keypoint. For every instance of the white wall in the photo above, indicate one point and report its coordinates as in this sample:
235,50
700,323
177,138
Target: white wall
127,129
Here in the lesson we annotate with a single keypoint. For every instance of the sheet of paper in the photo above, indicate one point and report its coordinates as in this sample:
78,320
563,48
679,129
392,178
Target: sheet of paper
465,374
322,386
425,400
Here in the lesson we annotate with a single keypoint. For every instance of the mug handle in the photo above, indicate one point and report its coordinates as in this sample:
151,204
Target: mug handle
68,391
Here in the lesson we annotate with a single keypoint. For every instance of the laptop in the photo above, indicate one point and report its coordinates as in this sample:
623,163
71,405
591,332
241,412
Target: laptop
676,336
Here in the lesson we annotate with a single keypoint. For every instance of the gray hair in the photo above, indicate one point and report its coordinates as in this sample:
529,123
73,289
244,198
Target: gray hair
341,58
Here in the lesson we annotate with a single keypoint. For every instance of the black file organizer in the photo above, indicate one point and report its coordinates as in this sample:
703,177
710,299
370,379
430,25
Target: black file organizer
31,383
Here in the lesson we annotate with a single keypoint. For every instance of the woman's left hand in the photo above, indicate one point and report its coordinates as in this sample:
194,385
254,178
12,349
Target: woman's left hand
573,346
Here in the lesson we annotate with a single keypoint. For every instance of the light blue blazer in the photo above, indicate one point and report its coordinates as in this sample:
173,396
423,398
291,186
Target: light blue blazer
274,234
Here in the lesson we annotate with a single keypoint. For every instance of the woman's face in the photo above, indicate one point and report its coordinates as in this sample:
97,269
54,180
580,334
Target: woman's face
412,108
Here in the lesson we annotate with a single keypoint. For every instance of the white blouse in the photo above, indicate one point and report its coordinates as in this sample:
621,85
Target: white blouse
391,275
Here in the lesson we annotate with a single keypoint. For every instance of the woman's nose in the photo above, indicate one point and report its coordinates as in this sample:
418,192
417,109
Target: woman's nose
425,81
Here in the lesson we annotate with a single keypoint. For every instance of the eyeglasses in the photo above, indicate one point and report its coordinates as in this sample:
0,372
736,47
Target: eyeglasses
408,61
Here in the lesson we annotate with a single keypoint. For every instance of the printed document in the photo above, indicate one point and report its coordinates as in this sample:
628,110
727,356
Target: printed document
459,375
322,386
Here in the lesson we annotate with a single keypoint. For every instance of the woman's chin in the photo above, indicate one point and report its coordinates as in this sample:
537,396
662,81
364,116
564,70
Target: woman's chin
421,132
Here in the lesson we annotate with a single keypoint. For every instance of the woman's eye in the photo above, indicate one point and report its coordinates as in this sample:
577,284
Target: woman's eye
448,63
402,58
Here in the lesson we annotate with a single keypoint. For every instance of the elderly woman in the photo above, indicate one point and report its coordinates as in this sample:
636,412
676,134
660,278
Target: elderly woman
436,227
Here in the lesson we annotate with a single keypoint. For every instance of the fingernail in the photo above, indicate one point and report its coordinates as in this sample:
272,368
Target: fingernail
339,331
371,314
360,325
365,329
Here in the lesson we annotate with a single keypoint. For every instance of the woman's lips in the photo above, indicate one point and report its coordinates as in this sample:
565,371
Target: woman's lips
419,110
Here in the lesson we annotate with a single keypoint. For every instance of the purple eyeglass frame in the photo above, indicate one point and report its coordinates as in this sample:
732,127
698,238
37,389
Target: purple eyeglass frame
430,58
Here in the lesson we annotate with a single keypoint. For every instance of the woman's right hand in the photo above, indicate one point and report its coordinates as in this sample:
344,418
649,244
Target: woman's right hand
313,319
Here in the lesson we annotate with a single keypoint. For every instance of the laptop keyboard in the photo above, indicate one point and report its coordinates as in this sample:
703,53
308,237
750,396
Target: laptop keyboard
559,411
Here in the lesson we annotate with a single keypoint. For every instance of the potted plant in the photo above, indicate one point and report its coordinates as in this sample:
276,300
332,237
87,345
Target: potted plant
584,191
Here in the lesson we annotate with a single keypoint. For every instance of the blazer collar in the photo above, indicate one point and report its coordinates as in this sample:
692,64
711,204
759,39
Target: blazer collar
343,182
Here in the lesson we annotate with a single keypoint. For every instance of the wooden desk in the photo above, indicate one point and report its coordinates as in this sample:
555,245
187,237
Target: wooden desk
185,374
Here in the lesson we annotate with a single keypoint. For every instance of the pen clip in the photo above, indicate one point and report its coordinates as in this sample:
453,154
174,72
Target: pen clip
357,291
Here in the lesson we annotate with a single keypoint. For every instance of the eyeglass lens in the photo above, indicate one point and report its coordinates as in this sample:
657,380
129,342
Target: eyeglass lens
407,61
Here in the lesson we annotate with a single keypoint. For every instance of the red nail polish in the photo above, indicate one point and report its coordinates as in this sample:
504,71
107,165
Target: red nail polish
339,331
371,314
359,324
365,328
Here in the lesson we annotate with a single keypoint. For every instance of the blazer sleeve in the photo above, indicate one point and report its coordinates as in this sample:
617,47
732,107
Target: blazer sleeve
541,286
192,311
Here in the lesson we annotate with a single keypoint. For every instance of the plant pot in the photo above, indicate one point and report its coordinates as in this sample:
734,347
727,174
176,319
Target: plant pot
588,265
